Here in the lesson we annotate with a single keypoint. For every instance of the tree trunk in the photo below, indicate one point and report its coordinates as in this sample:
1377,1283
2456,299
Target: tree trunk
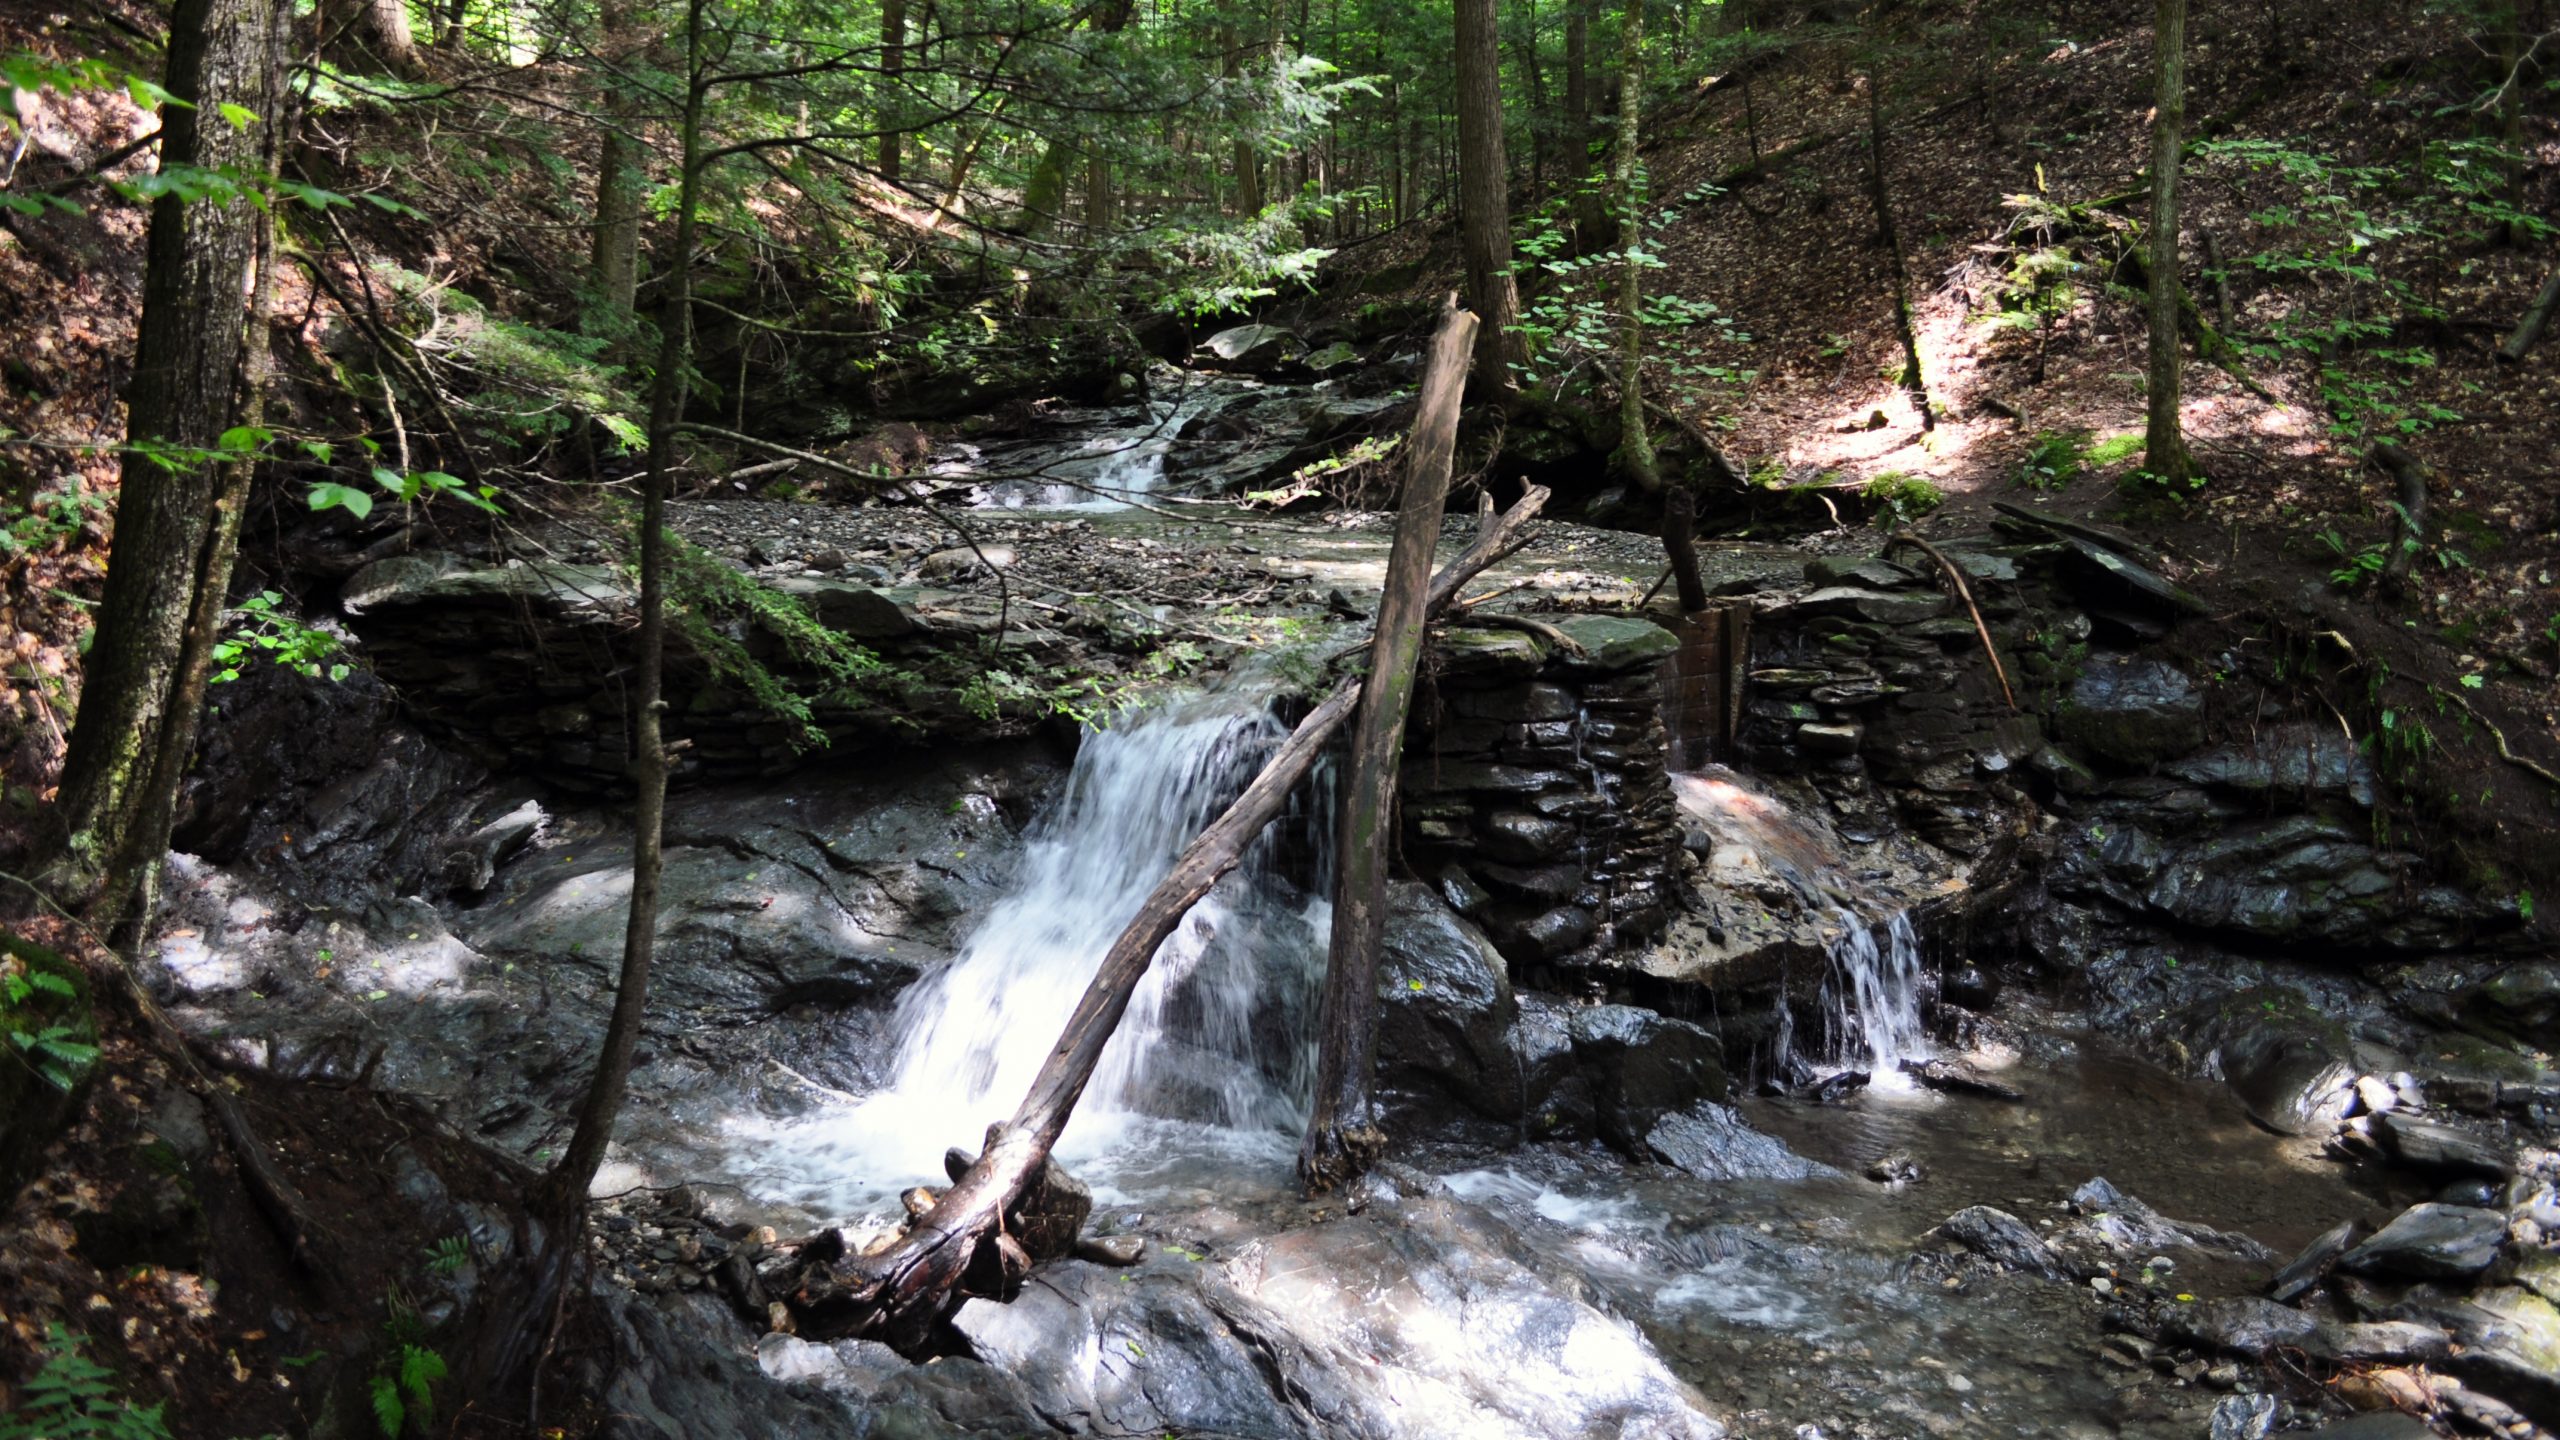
893,71
1881,193
2164,445
129,899
564,1193
379,29
1577,87
221,52
1484,212
618,177
1343,1137
1044,197
1635,445
903,1290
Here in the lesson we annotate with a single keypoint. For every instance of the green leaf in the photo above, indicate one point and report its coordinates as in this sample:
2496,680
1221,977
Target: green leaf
151,96
347,497
240,116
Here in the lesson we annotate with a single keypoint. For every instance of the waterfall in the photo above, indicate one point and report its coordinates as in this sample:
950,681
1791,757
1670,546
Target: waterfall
1219,1010
1872,997
1106,470
1217,1050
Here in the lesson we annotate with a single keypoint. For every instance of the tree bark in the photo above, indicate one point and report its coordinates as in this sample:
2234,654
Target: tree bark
616,252
129,899
2165,456
1880,192
221,52
1343,1137
564,1192
893,72
900,1292
1484,212
379,29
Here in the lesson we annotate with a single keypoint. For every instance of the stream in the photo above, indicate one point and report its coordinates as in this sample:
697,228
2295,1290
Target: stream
860,967
1793,1304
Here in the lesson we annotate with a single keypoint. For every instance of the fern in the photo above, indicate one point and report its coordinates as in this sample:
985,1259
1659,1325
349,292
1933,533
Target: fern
75,1398
420,1369
388,1412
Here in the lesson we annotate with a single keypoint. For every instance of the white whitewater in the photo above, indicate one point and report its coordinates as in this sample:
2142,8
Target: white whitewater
1219,1040
1872,998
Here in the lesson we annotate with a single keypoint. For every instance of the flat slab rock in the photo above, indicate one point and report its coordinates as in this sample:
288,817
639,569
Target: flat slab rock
1714,1142
2432,1242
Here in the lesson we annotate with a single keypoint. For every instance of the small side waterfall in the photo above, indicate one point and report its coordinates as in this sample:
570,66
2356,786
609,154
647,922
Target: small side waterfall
1872,997
1874,983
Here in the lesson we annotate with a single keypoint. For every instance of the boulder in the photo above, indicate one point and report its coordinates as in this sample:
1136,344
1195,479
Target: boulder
2001,1238
2243,1325
1643,1066
1255,349
2433,1146
1614,1070
2431,1242
1445,1008
2306,1269
1713,1142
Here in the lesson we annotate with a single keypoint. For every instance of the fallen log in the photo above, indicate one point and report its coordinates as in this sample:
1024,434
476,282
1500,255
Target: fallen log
1343,1137
900,1293
2409,535
2536,317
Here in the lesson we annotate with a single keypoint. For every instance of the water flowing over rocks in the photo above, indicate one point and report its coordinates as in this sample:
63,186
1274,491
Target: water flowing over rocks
1598,969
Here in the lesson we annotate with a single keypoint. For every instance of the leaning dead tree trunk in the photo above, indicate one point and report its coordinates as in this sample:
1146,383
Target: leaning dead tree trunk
899,1293
1343,1137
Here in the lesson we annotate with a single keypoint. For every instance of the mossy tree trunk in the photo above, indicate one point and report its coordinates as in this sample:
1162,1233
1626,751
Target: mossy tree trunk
619,176
893,79
181,400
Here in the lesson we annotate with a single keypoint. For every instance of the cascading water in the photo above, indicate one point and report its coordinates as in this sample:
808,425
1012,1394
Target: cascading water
1219,1038
1106,470
1872,993
1872,998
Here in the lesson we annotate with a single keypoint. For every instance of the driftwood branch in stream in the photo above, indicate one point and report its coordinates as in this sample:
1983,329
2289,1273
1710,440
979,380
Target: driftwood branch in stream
1343,1137
901,1291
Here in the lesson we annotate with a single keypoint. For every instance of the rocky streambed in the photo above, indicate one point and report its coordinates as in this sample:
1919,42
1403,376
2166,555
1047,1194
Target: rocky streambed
2203,1109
